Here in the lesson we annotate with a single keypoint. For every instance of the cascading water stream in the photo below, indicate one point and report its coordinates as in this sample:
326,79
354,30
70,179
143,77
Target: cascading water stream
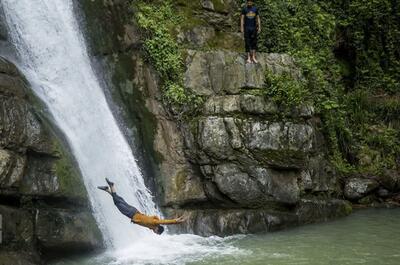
53,56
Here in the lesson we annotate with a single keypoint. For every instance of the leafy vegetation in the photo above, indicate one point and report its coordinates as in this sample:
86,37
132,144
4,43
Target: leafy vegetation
285,90
350,56
157,19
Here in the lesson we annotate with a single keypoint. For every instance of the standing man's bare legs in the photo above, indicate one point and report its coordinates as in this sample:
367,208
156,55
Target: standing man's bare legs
253,58
249,57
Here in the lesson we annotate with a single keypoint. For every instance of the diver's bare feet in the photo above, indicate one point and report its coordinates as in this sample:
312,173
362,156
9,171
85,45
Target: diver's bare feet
249,61
105,188
255,60
110,183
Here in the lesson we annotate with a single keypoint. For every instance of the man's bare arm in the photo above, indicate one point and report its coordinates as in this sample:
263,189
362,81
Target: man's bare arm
258,24
145,220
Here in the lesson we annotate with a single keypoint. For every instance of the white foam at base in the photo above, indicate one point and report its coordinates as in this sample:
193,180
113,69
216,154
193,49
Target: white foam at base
177,249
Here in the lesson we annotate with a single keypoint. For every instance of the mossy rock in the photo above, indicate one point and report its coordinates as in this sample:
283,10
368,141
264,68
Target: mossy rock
69,177
54,176
281,158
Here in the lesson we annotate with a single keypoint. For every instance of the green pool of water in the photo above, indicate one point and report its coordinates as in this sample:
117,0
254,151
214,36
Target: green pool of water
366,237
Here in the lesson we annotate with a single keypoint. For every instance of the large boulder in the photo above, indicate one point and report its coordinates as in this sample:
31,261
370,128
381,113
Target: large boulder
265,136
390,179
12,167
356,188
225,222
320,210
64,231
20,128
257,187
18,258
58,178
197,36
222,72
17,227
237,221
214,138
218,13
277,144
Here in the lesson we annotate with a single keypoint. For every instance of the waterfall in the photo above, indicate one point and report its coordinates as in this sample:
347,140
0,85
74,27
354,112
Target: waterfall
53,56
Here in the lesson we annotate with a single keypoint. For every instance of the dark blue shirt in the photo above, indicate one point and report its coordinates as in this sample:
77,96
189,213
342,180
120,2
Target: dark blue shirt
250,17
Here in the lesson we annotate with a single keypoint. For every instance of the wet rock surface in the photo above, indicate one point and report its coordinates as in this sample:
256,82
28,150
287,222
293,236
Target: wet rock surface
356,188
18,258
70,231
248,221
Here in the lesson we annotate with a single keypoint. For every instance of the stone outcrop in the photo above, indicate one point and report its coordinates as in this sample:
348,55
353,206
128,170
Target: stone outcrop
247,152
43,202
224,72
66,230
244,221
357,188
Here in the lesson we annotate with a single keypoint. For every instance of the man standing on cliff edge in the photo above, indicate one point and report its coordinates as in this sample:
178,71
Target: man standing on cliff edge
250,25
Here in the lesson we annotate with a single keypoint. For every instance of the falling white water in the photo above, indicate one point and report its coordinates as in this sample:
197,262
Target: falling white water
53,56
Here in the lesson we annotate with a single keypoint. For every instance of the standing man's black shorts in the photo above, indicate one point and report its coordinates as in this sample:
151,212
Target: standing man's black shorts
250,38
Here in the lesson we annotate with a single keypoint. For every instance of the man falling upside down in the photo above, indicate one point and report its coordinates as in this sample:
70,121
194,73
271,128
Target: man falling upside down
152,222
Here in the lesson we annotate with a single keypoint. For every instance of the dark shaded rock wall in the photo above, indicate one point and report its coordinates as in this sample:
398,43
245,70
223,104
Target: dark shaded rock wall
43,203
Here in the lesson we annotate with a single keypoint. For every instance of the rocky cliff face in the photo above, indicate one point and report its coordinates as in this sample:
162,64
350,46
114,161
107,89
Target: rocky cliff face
44,208
250,168
238,165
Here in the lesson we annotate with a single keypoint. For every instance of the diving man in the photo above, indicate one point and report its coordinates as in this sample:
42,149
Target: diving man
152,222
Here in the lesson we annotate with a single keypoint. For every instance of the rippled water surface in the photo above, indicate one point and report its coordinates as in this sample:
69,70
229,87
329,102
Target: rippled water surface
369,237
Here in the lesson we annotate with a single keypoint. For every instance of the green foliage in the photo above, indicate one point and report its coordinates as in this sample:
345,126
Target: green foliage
285,90
164,53
157,19
349,52
370,30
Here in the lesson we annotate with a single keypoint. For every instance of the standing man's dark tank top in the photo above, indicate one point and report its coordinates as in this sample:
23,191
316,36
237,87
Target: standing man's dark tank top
250,17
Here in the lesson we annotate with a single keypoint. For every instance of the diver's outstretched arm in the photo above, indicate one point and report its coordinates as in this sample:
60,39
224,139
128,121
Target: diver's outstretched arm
145,220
